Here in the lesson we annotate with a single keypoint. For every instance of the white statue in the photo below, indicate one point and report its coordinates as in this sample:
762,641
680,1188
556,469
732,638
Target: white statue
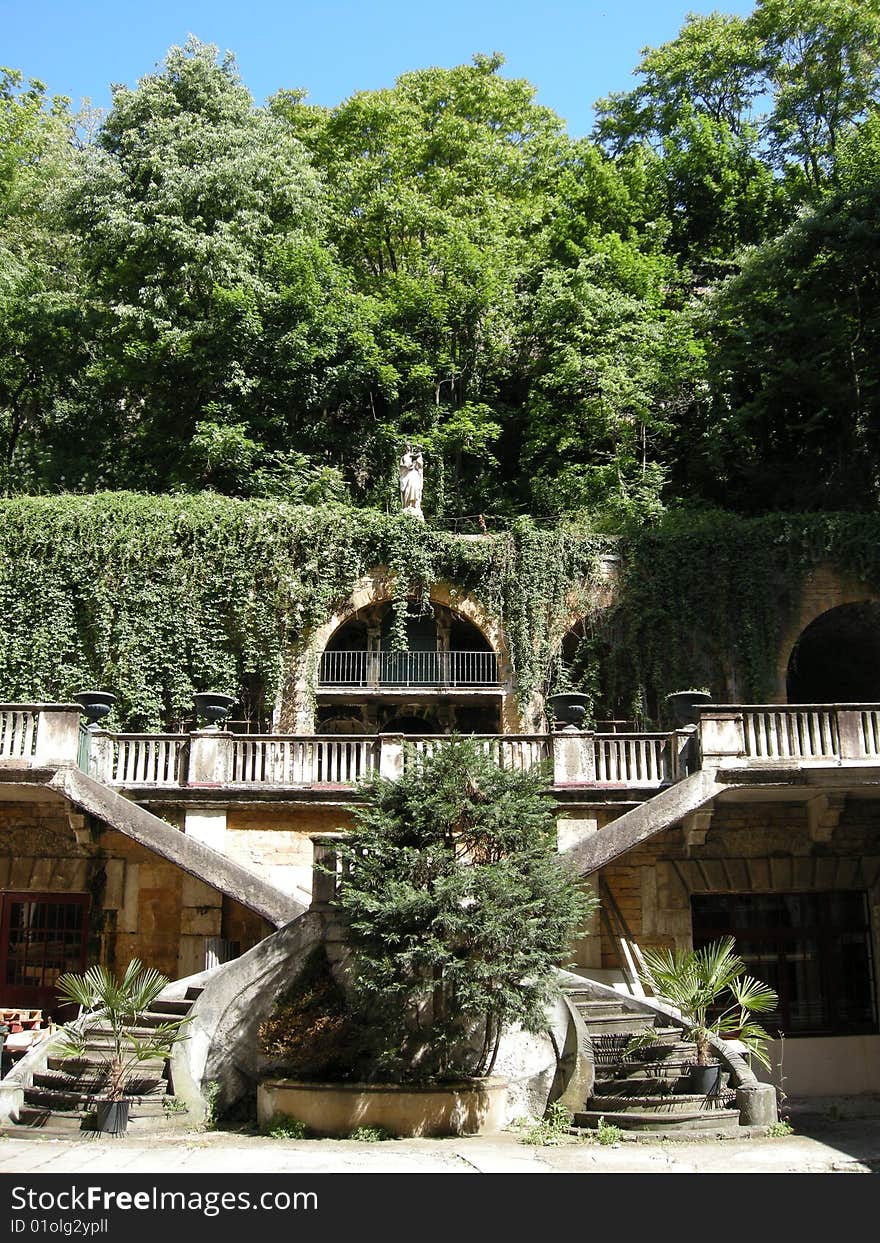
412,478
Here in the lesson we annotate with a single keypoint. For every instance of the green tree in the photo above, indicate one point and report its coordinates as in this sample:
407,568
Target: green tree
40,320
201,217
791,412
822,63
459,909
438,189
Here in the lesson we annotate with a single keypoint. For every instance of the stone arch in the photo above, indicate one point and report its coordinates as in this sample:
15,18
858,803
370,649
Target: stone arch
836,659
295,711
825,590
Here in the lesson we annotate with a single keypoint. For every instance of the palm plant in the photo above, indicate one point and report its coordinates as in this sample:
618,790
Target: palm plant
711,989
111,1008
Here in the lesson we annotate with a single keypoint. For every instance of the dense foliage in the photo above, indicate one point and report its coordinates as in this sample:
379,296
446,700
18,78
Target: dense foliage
196,292
458,908
154,598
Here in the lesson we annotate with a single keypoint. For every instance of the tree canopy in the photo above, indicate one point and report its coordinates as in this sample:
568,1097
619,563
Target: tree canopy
197,292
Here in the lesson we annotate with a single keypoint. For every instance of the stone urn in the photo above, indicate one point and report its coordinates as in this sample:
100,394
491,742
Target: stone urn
212,706
569,709
685,705
95,704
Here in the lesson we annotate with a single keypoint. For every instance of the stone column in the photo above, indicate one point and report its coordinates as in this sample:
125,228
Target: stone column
57,735
574,761
207,825
210,758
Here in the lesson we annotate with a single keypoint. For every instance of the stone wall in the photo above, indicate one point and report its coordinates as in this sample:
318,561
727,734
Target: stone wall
748,848
141,904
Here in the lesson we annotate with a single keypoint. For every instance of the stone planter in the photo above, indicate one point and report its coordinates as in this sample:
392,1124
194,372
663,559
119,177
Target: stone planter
337,1109
569,708
212,706
95,704
685,705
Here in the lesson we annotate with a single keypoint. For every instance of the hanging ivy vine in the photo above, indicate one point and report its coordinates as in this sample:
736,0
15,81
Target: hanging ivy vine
155,598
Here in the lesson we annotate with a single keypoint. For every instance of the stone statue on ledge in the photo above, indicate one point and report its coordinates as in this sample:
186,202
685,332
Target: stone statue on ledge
412,478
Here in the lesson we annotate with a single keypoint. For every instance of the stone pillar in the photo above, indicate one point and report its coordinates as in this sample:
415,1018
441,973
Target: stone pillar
208,826
325,867
391,756
721,736
849,733
57,735
574,761
101,753
210,758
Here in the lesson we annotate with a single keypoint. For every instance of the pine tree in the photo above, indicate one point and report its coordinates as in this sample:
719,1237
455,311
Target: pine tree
459,909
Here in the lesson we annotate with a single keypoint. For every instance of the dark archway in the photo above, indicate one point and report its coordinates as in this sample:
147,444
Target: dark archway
837,657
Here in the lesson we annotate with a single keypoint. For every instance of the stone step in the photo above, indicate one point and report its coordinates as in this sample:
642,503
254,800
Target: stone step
667,1103
95,1058
617,1022
718,1121
644,1086
71,1099
193,991
174,1008
153,1019
93,1081
44,1124
666,1069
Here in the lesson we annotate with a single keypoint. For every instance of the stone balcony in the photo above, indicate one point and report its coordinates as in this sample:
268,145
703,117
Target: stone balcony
729,737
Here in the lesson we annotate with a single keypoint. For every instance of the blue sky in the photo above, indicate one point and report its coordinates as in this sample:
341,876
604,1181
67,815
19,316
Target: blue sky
574,51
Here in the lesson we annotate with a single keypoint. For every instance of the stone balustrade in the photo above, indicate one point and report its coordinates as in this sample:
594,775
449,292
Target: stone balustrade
732,735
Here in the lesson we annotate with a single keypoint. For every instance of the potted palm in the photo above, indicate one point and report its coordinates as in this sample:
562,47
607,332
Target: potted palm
711,989
111,1011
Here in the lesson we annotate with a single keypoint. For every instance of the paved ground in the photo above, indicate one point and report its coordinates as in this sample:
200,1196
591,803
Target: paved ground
821,1144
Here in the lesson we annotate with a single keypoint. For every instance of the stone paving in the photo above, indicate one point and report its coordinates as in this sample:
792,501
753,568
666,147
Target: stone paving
823,1146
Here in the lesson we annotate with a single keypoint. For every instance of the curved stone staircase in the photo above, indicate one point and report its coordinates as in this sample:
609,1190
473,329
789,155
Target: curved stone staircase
60,1096
645,1089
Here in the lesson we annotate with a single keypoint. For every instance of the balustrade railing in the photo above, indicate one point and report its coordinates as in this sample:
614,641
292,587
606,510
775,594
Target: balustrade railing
512,751
139,759
636,759
43,735
791,733
423,669
273,760
18,732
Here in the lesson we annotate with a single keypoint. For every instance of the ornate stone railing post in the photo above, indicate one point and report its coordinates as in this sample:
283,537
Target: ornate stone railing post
57,735
391,756
574,759
210,758
325,868
722,737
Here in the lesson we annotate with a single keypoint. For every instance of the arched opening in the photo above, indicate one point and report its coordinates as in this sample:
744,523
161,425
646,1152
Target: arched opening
445,680
584,663
836,659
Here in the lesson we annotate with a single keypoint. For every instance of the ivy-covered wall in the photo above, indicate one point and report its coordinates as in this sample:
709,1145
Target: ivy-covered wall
154,598
157,597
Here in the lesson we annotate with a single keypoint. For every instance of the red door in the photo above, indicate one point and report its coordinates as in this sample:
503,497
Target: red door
42,935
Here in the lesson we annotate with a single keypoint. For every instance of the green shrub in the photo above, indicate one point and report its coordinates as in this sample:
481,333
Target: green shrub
282,1126
371,1134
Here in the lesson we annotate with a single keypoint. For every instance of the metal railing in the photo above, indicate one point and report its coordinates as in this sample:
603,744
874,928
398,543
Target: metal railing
422,669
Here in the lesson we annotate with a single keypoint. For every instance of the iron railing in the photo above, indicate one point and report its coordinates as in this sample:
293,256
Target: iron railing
416,669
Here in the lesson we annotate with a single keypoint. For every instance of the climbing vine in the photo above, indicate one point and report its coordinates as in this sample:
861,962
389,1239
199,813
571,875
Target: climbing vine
155,598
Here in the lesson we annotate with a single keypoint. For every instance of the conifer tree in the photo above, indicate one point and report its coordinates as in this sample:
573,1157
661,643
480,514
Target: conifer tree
459,908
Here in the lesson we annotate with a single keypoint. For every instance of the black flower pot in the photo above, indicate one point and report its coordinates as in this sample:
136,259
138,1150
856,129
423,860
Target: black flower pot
212,706
112,1117
569,708
704,1080
95,704
685,705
